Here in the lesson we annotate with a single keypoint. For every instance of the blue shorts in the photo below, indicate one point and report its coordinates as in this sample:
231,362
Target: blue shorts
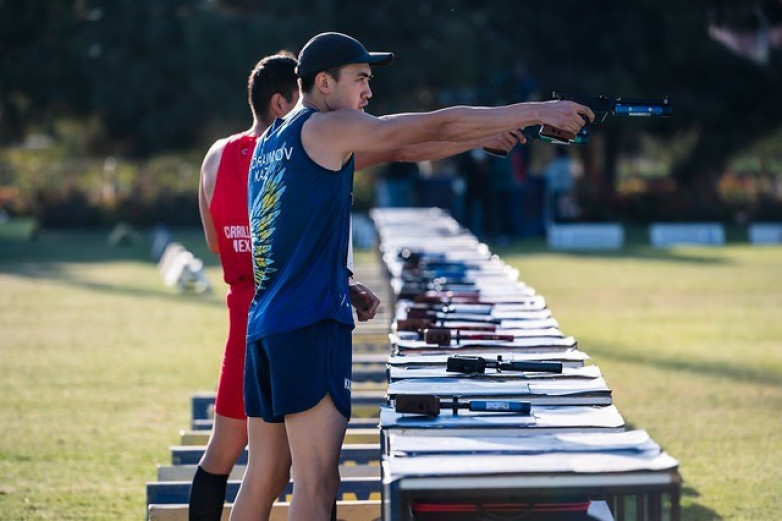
291,372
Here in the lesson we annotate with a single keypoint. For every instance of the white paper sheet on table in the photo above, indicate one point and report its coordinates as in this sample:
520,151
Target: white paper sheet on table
482,465
496,387
633,441
581,417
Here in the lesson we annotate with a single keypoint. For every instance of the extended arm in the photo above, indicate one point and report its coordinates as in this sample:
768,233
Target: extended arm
435,150
332,136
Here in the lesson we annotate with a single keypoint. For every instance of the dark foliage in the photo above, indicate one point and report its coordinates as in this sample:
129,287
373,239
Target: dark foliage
168,75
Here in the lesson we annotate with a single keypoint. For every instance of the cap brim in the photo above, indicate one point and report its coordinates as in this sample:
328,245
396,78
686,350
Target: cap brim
379,59
375,59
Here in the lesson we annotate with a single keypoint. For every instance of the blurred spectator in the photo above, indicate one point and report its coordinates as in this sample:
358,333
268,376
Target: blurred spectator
395,184
561,204
501,212
478,216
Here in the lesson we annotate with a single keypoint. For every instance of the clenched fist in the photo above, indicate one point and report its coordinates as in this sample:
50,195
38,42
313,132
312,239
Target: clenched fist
365,302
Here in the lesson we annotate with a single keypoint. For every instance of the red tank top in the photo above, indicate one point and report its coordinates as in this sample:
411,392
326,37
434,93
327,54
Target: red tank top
228,209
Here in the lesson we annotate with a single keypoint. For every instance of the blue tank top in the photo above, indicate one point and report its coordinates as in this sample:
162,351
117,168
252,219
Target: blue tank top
299,225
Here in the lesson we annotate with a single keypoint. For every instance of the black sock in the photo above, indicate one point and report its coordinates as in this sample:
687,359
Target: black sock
207,495
334,511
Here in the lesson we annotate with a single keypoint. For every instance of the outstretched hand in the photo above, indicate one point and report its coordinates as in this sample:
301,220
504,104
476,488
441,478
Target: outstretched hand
565,115
365,302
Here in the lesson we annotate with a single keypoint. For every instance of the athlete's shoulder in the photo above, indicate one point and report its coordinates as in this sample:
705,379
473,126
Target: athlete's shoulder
216,150
296,117
210,166
339,121
214,156
341,115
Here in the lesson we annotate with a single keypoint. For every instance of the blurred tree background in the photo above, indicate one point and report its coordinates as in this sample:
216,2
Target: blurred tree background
107,106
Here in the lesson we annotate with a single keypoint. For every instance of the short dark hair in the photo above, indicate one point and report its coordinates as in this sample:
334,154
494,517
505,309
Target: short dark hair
308,81
273,74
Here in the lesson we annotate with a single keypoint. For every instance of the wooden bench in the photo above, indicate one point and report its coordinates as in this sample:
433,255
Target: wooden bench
167,492
186,472
360,422
364,404
353,435
358,453
371,342
346,511
360,458
374,359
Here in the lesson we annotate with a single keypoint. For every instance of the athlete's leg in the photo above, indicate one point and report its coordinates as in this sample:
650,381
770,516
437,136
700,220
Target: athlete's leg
226,443
268,471
207,496
207,493
229,433
315,437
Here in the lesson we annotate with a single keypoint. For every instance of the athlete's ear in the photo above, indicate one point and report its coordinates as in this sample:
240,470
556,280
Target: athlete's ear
323,82
275,105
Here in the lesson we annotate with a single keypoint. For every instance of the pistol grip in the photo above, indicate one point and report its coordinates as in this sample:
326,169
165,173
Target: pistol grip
427,404
557,134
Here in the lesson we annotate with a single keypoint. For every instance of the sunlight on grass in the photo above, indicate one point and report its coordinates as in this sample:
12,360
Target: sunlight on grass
690,341
98,362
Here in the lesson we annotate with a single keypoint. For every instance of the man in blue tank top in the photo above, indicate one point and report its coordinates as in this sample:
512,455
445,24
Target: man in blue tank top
297,370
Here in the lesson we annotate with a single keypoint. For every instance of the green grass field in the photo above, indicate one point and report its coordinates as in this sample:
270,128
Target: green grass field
98,361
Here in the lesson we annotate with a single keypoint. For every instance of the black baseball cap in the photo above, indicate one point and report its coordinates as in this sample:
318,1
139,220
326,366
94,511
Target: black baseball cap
327,50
